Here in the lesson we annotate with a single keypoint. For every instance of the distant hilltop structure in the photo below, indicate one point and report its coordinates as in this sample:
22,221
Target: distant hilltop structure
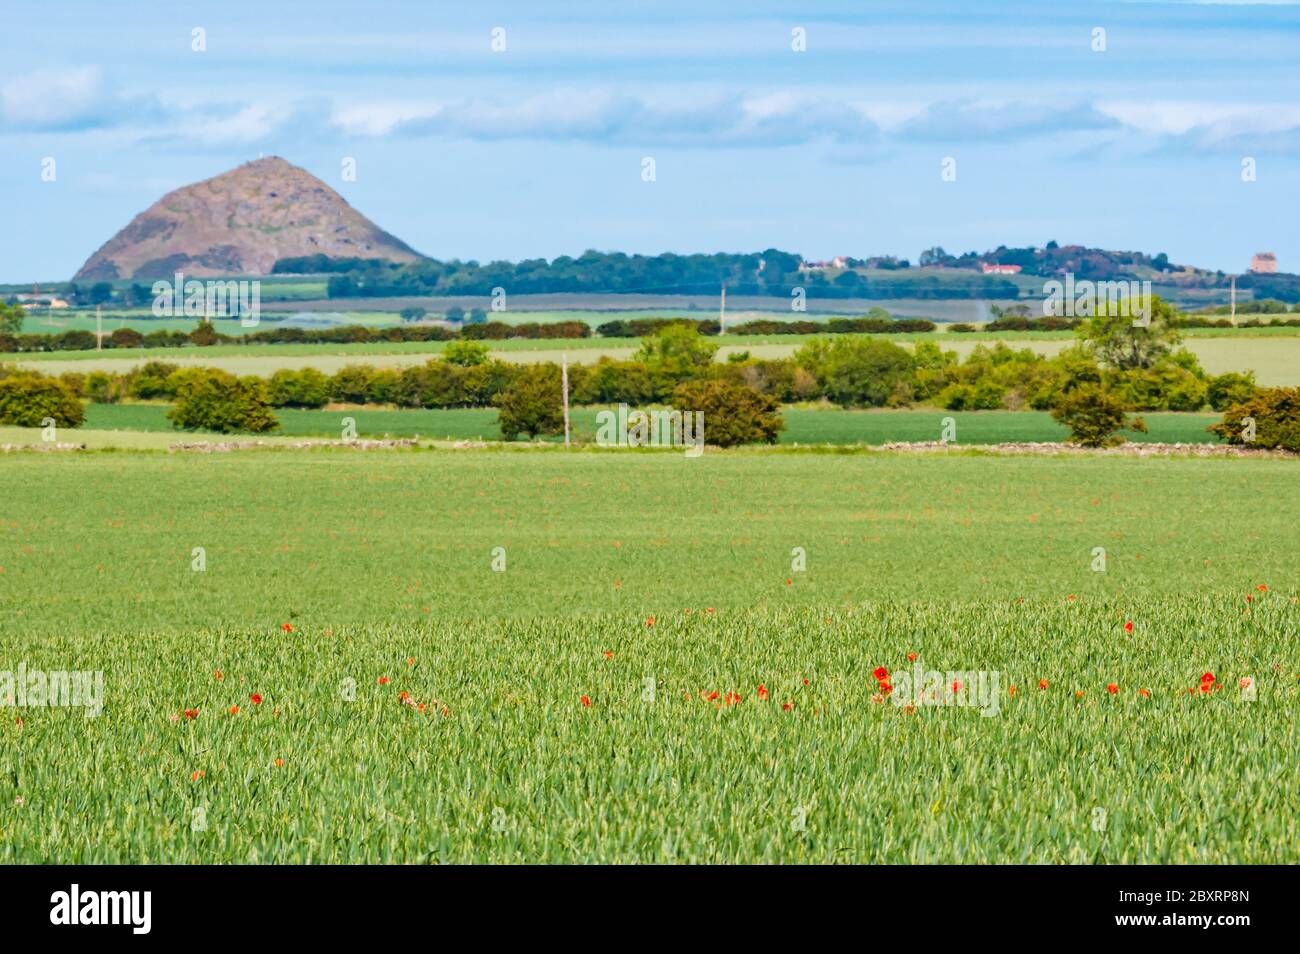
1263,263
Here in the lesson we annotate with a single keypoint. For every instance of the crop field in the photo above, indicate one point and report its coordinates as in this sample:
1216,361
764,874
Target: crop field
1273,353
523,655
803,425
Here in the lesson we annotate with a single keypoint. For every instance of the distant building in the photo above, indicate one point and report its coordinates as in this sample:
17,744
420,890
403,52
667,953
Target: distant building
999,269
1263,263
40,301
839,261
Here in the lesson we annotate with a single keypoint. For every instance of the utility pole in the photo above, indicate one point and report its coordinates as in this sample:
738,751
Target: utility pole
722,312
564,379
1234,300
99,328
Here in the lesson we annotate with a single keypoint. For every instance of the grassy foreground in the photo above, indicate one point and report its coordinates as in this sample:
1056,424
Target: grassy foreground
646,583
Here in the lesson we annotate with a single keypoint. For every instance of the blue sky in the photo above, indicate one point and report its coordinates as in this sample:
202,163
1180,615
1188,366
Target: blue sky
537,150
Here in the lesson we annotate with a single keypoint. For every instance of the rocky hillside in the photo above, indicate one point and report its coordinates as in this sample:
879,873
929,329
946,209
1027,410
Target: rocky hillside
240,223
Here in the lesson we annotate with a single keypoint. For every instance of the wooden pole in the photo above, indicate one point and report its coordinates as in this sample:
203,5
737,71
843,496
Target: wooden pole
1234,299
564,378
99,329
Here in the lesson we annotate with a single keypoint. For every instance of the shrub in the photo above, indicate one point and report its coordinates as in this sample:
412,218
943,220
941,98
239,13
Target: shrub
214,400
484,383
533,403
614,382
152,380
383,386
733,414
860,372
1231,388
303,388
465,353
126,338
351,384
27,400
1093,415
985,394
104,388
204,335
1276,416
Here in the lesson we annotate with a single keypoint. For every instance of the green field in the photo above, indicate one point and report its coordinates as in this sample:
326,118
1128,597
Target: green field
1273,353
803,425
382,564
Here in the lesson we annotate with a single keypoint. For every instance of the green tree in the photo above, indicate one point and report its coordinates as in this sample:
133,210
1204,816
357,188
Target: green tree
11,318
673,354
1093,415
213,400
1121,344
860,372
465,352
533,403
1269,418
27,400
733,414
204,334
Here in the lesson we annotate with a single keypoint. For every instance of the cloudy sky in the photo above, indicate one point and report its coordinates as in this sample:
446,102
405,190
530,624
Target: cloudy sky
537,149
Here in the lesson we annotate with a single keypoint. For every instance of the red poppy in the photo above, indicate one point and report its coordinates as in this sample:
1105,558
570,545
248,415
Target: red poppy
886,688
650,621
382,680
1128,627
216,674
1262,588
288,628
786,706
762,692
881,673
403,695
1208,686
196,776
911,657
1011,690
255,699
1112,688
956,685
609,654
586,701
1043,684
191,713
1207,677
279,763
712,695
788,581
805,682
234,710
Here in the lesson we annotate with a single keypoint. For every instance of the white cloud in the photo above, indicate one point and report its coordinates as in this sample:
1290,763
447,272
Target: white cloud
53,99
